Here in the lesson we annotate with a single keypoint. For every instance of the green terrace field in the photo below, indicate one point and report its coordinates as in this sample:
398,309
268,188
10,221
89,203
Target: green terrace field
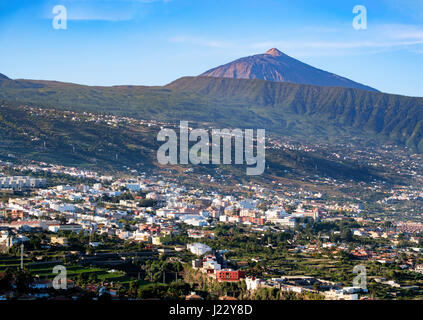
44,270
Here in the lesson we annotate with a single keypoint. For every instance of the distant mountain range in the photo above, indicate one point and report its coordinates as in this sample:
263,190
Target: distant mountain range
323,113
279,67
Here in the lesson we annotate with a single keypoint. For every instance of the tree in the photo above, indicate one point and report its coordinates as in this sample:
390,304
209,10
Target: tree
23,279
133,289
346,235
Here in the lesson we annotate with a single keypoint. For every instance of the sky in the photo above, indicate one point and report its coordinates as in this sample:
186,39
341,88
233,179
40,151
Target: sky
153,42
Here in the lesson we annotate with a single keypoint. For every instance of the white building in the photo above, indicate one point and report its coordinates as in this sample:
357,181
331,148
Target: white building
198,249
253,283
210,263
339,295
287,222
274,214
197,221
6,240
20,182
62,207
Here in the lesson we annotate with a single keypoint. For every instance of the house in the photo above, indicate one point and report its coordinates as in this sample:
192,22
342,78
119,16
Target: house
229,275
198,248
59,240
418,268
210,264
339,295
156,241
72,227
253,283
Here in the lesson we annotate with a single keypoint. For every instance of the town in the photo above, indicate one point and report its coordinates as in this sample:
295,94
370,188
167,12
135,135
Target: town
146,235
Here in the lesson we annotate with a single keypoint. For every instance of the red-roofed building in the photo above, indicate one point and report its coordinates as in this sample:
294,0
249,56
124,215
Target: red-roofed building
229,275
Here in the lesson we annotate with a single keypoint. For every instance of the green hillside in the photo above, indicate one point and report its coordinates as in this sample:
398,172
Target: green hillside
399,118
71,139
105,142
301,111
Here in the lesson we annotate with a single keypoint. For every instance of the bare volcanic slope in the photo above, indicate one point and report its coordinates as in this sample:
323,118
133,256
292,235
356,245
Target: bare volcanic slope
279,67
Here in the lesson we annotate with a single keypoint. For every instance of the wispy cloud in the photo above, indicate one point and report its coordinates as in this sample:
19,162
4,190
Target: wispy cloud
398,31
340,41
378,38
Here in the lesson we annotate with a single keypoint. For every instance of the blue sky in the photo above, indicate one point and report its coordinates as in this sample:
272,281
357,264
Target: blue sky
153,42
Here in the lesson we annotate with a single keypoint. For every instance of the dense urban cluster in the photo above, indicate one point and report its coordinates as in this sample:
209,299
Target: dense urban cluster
145,235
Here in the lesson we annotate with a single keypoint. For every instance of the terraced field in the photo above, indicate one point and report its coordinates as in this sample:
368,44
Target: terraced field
44,270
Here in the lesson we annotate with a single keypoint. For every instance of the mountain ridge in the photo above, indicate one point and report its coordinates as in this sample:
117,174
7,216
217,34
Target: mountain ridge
398,117
306,111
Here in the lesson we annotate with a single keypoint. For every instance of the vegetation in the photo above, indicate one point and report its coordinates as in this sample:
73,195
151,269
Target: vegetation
297,110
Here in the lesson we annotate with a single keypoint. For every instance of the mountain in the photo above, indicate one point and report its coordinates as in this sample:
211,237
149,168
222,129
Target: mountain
3,77
279,67
325,114
330,111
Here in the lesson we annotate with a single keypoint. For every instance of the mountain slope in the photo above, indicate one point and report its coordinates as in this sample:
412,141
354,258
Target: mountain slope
279,67
103,141
3,77
310,112
397,117
72,138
